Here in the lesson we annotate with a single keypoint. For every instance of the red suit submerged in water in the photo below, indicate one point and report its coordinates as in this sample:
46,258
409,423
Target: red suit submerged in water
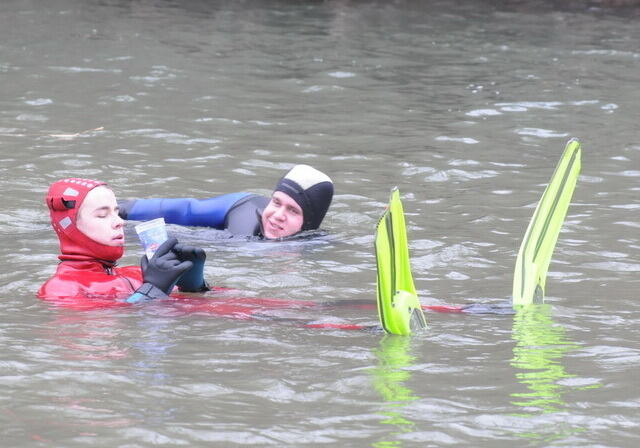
91,284
87,285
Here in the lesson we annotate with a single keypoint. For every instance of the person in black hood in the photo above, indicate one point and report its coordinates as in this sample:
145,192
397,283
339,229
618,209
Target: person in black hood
299,202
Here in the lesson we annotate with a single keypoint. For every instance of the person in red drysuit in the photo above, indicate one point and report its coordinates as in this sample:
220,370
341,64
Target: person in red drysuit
84,214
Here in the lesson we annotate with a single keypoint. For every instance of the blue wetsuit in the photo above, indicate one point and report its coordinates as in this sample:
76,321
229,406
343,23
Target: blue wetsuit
238,213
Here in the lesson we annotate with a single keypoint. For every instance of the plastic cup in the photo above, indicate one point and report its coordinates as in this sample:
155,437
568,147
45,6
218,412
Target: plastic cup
152,234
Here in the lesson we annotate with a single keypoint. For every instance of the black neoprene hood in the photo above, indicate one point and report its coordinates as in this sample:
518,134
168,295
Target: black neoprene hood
311,189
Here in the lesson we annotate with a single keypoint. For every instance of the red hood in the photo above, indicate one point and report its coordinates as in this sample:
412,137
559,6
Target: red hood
64,199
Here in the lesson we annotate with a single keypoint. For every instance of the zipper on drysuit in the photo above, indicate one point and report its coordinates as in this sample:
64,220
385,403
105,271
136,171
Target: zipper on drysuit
109,271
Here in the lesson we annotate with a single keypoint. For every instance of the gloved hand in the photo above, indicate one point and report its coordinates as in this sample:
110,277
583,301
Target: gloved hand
125,207
165,267
193,279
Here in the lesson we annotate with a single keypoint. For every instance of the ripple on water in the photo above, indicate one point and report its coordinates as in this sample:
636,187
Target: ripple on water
635,225
613,266
39,102
453,255
542,133
157,375
32,117
342,75
465,140
85,69
317,88
460,175
613,357
171,137
483,113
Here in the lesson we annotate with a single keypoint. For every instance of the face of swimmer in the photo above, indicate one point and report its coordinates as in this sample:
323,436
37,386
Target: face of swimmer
98,217
282,217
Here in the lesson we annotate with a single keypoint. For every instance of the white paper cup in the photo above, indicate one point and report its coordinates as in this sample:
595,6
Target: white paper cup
152,234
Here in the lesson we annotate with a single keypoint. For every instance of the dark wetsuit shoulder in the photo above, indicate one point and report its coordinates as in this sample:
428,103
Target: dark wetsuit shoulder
244,217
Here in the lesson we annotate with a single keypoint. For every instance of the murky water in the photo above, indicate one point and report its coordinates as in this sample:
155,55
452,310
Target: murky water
464,105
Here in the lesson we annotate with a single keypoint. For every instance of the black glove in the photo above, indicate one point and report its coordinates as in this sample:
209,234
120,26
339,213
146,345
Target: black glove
165,268
125,207
193,279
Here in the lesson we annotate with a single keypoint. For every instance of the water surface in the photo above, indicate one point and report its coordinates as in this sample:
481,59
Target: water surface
465,106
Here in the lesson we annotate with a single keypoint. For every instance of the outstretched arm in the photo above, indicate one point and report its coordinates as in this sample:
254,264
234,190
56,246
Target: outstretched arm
209,212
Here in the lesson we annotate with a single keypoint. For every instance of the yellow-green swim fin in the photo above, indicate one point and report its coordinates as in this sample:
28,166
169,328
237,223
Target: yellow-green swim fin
398,305
540,239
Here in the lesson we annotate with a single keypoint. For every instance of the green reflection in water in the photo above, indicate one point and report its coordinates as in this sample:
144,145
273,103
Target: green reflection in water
540,346
388,380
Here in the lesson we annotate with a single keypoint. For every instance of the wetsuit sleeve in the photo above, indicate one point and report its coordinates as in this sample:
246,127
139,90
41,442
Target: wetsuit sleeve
209,212
145,292
244,218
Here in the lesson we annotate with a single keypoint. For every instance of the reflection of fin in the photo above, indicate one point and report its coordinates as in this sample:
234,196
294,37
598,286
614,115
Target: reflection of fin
541,236
398,305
